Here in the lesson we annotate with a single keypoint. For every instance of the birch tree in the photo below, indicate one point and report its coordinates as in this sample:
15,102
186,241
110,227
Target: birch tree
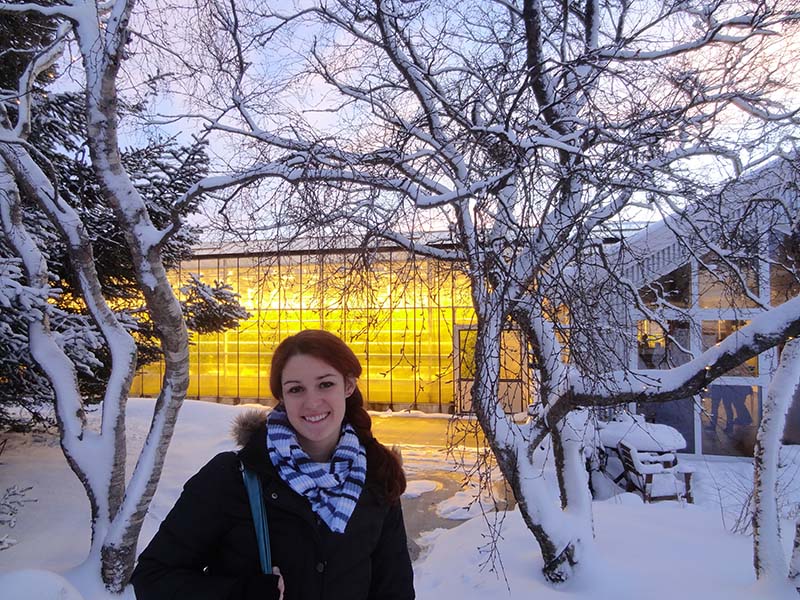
769,559
118,502
527,130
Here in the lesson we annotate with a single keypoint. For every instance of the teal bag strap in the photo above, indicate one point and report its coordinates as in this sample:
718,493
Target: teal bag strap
253,486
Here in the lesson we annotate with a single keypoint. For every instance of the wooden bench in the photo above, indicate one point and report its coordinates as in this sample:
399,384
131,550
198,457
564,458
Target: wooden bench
641,468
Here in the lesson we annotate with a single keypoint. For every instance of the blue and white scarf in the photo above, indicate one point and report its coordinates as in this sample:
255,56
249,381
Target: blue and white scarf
332,488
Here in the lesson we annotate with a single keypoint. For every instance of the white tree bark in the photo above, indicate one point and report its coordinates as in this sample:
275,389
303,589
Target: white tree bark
769,558
98,459
102,49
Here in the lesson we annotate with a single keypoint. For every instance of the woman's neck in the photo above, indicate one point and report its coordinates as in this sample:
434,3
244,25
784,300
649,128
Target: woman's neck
317,451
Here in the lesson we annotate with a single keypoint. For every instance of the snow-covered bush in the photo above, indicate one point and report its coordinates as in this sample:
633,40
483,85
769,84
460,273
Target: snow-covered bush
26,394
210,308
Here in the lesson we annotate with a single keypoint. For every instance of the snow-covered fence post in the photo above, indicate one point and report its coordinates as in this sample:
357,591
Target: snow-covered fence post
769,558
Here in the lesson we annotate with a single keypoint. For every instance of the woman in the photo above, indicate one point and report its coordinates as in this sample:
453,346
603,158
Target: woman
332,494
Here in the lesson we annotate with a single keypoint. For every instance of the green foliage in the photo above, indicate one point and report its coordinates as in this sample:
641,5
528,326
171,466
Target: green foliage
21,36
209,309
25,394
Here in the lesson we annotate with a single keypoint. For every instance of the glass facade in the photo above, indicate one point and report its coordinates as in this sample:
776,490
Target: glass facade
401,315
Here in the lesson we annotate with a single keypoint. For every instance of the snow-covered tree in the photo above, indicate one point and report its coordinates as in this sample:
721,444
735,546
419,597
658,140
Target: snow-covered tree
25,393
530,130
211,308
100,35
57,133
162,171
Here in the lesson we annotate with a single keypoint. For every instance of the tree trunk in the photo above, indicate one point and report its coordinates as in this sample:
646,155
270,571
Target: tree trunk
794,566
118,551
546,522
768,556
560,553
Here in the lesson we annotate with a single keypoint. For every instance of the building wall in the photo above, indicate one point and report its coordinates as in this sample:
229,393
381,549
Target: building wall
707,303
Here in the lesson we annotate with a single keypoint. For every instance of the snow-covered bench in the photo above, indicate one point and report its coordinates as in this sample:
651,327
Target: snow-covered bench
658,476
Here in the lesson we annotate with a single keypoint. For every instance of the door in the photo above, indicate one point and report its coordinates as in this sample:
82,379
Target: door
514,377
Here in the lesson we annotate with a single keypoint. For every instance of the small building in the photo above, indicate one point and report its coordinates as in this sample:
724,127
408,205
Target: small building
702,297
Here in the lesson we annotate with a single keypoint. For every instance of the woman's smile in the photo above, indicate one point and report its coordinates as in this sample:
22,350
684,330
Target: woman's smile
316,418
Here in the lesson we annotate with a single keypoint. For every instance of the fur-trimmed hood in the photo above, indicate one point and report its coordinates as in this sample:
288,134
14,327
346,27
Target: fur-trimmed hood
247,423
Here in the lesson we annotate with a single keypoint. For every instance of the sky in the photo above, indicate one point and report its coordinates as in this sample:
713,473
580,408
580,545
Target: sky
662,551
176,32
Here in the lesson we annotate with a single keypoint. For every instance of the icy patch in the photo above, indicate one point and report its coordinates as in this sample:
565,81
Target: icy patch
34,584
415,489
464,505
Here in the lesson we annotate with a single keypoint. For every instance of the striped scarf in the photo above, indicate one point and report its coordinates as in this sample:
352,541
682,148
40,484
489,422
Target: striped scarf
332,488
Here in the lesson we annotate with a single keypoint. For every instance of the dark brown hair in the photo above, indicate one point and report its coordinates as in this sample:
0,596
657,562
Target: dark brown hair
383,465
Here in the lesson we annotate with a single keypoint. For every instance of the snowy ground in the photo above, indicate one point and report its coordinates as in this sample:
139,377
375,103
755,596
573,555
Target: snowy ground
660,551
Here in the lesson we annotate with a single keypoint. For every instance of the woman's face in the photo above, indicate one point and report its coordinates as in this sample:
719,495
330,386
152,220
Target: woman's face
314,395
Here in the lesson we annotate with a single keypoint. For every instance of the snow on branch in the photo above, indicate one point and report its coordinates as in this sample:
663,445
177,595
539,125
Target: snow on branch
716,33
46,58
70,11
419,248
764,331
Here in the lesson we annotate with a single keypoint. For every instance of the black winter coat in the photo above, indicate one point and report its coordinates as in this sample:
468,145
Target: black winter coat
206,546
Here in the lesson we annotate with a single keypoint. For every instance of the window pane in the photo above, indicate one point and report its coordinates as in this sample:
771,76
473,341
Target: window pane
674,287
467,339
677,413
511,356
658,349
720,286
714,332
784,273
791,434
730,419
